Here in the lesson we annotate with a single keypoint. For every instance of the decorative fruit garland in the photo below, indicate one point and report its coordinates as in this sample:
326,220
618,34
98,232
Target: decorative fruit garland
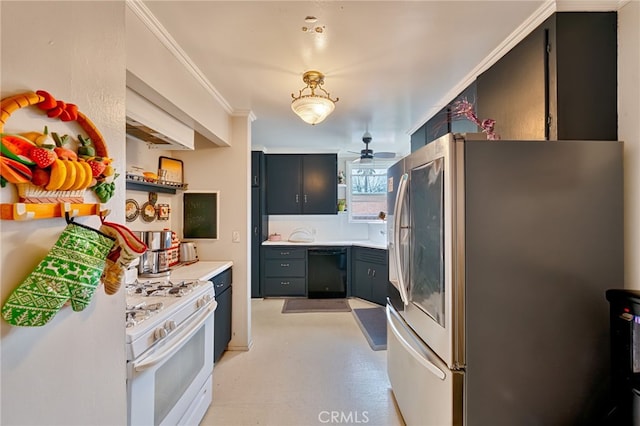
45,166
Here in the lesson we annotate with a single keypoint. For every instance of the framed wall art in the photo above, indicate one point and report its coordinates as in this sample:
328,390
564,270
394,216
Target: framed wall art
174,170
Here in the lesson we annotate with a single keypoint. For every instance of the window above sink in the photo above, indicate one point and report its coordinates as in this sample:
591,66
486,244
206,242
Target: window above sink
366,190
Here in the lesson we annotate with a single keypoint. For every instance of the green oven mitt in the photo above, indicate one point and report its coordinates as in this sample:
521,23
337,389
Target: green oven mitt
70,271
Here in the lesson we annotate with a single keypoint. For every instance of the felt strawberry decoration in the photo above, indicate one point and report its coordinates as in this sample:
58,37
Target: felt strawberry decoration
43,157
97,167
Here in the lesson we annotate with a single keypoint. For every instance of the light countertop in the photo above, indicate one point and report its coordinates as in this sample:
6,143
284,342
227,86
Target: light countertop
201,270
359,243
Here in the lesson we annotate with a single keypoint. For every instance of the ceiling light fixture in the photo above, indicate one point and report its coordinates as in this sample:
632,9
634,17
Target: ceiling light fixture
313,104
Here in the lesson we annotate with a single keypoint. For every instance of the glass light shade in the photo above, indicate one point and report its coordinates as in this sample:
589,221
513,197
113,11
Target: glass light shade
312,109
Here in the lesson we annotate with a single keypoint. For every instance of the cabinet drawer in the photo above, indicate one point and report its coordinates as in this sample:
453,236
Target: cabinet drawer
284,287
222,281
371,255
285,268
284,253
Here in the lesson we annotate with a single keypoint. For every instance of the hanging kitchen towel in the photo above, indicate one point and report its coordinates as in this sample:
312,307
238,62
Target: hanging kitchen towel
70,271
126,249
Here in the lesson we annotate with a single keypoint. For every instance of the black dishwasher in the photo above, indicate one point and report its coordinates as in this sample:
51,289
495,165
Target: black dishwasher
222,314
327,273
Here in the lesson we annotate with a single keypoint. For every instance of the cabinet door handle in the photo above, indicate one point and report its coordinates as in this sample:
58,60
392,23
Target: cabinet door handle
369,271
255,231
373,274
305,198
297,198
284,253
284,265
255,180
285,283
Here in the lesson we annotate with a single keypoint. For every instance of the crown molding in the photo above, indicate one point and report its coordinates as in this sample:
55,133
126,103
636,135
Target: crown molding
245,113
590,5
160,32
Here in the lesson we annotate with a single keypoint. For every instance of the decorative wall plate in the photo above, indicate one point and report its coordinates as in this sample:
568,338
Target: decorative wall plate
132,210
148,212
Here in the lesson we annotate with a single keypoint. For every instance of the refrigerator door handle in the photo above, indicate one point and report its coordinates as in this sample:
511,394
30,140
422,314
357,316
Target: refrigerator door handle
399,283
413,351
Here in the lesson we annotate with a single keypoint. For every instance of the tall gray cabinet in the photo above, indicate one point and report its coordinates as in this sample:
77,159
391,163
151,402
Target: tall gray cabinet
259,218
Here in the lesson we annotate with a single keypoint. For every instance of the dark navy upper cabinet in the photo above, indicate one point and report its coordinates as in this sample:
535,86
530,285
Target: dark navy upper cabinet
444,121
302,183
257,168
559,83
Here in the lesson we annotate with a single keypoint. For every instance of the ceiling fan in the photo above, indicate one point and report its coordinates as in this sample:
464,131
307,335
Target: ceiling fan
367,155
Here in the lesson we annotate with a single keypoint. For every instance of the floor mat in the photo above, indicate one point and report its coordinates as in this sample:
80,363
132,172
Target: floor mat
373,323
315,305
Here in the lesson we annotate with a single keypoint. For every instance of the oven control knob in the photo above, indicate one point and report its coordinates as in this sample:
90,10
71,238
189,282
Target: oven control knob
170,325
202,302
160,333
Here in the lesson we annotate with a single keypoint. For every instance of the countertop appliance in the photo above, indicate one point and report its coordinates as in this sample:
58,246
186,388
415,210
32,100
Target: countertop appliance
188,252
502,252
169,347
155,261
624,310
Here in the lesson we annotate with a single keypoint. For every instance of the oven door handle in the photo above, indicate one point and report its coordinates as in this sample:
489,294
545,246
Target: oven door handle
165,352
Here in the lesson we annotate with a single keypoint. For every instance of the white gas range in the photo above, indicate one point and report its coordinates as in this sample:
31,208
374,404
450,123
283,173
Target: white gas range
169,345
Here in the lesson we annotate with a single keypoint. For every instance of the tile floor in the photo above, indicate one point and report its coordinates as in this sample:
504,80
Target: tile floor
303,369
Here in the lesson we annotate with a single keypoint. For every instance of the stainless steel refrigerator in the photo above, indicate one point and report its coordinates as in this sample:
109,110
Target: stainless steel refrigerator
502,252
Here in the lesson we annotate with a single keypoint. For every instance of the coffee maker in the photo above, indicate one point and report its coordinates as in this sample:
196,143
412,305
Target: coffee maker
155,261
624,314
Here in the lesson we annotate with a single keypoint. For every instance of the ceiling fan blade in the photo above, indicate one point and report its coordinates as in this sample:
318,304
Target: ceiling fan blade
384,154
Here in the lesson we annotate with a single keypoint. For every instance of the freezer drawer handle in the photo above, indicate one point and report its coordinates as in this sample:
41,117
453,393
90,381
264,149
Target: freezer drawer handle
418,357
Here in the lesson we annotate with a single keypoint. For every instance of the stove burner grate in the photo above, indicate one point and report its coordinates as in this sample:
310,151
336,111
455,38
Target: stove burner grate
135,314
164,288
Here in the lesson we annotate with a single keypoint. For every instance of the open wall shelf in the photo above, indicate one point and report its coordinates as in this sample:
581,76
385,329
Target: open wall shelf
137,183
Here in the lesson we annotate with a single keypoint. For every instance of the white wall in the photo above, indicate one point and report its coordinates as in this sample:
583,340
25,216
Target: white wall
629,132
228,169
72,370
